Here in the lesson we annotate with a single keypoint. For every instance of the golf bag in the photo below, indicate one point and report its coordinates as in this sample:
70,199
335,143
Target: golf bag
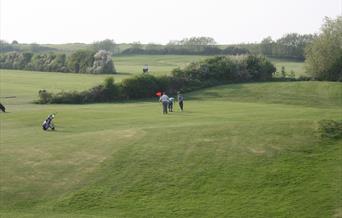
48,123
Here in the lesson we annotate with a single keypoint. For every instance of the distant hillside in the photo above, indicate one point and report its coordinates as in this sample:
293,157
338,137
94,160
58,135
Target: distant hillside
68,47
71,47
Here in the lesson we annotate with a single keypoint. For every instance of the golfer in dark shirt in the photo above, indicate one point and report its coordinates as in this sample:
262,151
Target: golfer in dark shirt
180,101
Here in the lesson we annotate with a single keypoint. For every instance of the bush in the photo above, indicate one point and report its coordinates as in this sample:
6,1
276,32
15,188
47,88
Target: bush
103,63
87,61
142,86
15,60
42,62
110,90
101,93
73,97
58,64
224,69
44,97
80,61
330,129
258,69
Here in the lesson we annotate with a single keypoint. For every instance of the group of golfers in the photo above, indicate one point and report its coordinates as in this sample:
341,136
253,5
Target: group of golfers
168,102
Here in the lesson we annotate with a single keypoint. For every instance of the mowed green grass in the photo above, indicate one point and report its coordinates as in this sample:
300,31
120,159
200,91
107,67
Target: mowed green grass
244,150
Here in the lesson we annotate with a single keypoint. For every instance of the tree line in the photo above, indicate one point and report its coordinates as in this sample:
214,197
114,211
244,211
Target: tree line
16,46
186,46
81,61
210,72
289,46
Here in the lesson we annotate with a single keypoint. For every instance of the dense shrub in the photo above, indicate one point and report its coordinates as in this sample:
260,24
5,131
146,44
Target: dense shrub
44,97
110,90
58,64
258,68
103,63
15,60
225,69
47,62
73,97
198,72
101,93
81,61
330,129
172,84
140,86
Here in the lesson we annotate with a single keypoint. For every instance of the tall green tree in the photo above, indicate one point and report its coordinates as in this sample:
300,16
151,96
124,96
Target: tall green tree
324,54
80,61
292,45
103,63
266,46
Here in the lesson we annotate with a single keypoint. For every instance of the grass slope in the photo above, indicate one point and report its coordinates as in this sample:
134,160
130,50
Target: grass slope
248,150
315,94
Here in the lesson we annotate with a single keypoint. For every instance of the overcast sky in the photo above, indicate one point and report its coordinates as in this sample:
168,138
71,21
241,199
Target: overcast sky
158,21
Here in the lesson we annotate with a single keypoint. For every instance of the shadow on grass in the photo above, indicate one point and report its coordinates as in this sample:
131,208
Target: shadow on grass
119,73
213,92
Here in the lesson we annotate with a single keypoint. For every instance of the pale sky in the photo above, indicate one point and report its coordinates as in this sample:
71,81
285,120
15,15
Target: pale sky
158,21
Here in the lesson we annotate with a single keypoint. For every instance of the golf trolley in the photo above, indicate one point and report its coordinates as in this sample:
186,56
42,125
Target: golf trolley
48,123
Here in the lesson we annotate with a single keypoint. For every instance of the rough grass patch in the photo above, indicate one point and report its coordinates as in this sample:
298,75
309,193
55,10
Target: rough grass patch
330,129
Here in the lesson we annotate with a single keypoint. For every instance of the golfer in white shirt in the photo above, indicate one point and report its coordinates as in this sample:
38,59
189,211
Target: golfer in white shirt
164,99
